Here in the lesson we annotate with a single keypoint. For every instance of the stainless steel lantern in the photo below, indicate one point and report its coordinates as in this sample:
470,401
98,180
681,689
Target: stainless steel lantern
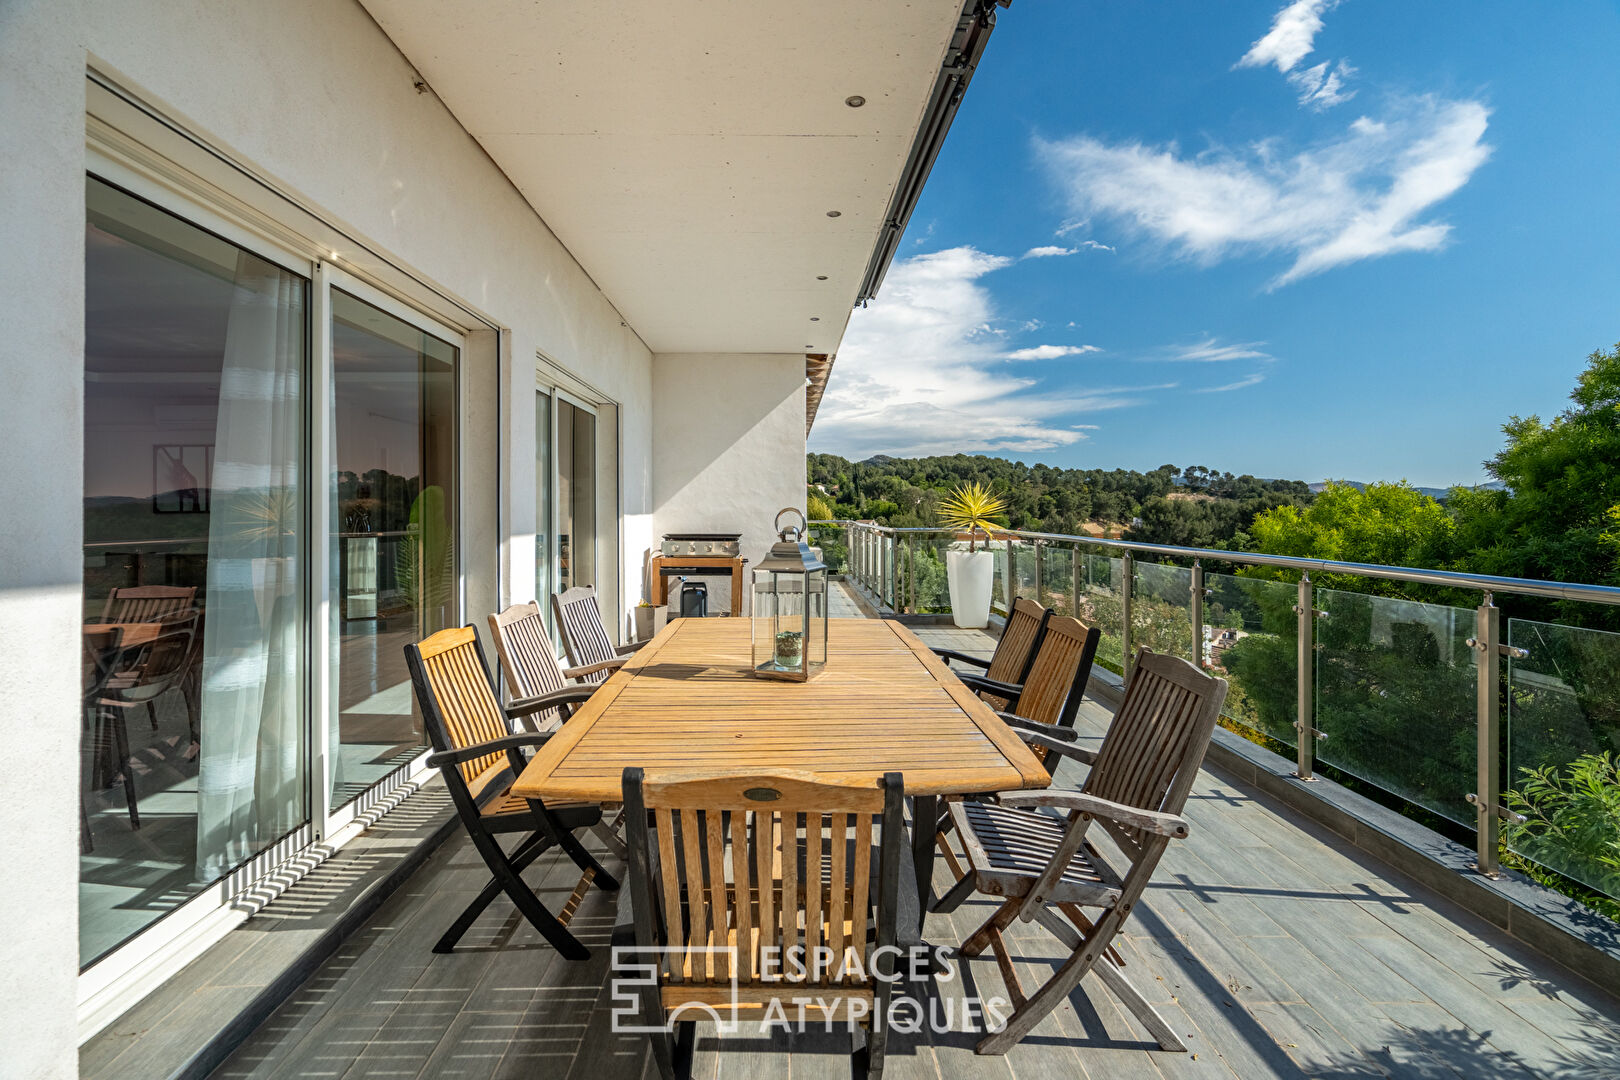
790,607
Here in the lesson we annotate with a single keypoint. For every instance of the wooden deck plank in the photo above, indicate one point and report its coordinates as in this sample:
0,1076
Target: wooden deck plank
1380,976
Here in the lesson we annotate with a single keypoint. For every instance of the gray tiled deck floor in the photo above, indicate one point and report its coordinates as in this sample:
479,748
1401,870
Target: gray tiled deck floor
1277,949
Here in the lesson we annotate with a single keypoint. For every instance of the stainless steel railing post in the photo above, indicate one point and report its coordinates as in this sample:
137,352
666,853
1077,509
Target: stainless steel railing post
1197,589
891,551
1487,795
1074,605
911,573
1127,585
1040,585
1304,713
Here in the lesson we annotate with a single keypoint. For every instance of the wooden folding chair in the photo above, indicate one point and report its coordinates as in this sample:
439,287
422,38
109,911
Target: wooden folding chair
103,651
1055,681
584,635
470,731
730,866
1046,703
1048,869
532,671
1015,650
148,603
173,662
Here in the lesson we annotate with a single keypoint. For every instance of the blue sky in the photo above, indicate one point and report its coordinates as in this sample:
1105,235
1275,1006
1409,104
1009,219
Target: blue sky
1301,240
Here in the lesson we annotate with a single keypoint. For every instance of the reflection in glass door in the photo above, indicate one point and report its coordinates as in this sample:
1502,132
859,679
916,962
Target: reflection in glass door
393,556
576,495
193,728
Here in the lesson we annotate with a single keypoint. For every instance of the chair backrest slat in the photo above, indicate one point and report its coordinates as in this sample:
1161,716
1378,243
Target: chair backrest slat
1015,652
454,680
1057,678
148,603
585,636
1157,740
765,888
526,654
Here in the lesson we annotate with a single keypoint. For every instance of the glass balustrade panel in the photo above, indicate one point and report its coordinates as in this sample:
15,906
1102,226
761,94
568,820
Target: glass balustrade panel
1161,609
1251,639
1396,697
1563,748
1099,604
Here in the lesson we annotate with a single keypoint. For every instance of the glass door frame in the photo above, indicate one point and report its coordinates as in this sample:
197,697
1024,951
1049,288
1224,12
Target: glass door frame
559,396
133,145
169,942
334,821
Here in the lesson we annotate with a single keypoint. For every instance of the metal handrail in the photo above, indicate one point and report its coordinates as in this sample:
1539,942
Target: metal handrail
1487,641
1556,590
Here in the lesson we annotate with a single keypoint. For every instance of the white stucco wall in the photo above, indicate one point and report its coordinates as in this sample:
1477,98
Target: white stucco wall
728,443
313,94
41,351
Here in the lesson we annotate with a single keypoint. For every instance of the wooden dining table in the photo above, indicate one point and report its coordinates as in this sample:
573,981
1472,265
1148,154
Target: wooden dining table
687,702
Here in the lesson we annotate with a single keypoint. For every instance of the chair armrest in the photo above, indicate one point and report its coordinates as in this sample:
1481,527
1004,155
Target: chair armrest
590,669
568,695
1026,727
494,746
1011,691
1147,820
626,650
1083,754
949,655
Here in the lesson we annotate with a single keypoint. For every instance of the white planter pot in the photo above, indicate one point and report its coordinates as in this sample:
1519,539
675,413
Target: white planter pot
970,575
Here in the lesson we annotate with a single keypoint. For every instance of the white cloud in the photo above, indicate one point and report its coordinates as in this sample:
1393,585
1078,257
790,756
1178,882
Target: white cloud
1249,380
1092,245
917,374
1211,351
1047,252
1051,352
1357,196
1322,86
1291,38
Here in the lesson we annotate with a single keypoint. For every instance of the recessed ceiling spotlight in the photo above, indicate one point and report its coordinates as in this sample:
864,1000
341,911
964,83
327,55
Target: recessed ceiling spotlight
821,277
835,213
855,101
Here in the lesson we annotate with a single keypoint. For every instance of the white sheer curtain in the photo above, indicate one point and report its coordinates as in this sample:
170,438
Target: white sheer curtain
250,781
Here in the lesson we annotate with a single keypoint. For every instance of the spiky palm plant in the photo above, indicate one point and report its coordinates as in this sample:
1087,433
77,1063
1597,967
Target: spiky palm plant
972,507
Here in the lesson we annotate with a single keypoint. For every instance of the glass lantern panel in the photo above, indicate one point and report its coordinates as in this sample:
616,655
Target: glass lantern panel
779,622
815,649
762,628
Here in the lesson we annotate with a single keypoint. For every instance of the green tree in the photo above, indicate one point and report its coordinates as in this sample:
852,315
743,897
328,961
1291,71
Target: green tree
1384,524
1558,515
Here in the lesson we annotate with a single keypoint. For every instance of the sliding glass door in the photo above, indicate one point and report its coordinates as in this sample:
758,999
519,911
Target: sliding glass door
194,750
576,493
544,484
393,544
219,370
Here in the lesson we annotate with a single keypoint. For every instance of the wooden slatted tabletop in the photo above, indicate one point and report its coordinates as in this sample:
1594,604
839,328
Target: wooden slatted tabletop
686,702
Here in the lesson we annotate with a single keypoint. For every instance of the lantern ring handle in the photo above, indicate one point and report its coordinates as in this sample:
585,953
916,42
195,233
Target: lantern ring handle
804,523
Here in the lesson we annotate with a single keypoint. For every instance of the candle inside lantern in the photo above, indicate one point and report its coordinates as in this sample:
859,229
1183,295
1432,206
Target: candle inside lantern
789,649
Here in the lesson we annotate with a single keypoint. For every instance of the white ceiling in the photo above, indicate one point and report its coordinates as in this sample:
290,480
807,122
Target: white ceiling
688,153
